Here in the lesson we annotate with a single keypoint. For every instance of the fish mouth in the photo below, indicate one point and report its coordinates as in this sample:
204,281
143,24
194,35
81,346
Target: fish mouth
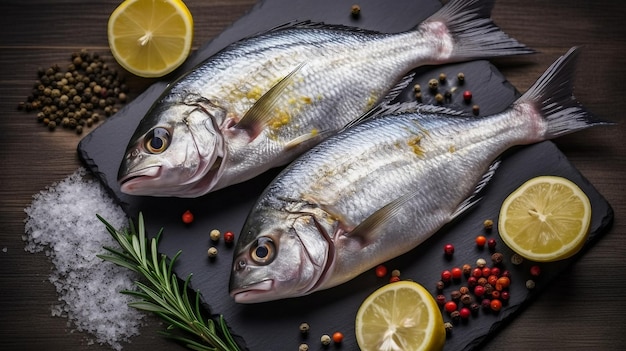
253,292
127,183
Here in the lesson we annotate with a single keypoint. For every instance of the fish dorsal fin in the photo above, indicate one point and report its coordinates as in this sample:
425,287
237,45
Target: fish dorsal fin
475,197
441,110
255,119
367,229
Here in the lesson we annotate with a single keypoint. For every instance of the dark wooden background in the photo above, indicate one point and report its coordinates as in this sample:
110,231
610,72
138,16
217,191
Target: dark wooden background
584,309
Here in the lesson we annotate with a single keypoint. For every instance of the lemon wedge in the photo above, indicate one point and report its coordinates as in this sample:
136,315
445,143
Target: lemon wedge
150,38
546,219
400,316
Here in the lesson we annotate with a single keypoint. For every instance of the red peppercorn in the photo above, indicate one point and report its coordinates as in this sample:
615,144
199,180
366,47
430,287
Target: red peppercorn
337,337
477,273
496,305
503,283
465,312
486,272
467,96
486,303
394,279
481,241
535,271
229,237
491,244
496,271
479,290
506,273
495,294
448,249
457,273
505,295
187,217
492,279
381,271
446,276
441,299
450,306
472,282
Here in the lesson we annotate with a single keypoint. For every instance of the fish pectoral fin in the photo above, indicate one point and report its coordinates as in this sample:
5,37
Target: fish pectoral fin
475,197
314,134
369,228
257,117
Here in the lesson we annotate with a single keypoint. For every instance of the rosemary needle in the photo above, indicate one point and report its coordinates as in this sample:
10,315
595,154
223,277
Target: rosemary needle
161,293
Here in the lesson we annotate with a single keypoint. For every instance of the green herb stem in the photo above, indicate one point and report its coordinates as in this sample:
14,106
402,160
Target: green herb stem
162,294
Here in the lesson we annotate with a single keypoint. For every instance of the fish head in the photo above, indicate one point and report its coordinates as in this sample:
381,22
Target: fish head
286,259
177,150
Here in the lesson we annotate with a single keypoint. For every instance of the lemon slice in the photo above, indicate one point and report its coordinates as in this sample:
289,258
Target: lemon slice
401,316
150,38
546,219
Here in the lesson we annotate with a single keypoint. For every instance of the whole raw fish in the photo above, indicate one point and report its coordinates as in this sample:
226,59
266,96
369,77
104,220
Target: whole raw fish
382,187
262,101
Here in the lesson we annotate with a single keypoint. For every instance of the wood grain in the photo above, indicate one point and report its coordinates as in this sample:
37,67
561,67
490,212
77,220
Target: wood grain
582,310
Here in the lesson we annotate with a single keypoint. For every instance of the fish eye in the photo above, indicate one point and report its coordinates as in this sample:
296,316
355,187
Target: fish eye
157,140
263,251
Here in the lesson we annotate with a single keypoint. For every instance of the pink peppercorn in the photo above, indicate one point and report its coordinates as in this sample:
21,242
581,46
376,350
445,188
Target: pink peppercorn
496,271
441,299
491,243
472,282
450,306
381,271
486,272
467,96
535,271
477,273
446,276
479,290
465,312
457,273
448,249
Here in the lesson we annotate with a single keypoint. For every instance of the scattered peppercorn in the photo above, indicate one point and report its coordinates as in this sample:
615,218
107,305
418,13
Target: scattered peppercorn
450,306
448,249
325,340
460,77
481,262
395,273
433,84
530,284
475,110
455,316
187,217
337,337
441,299
355,11
491,243
467,269
488,224
212,252
417,88
440,285
215,235
465,313
439,98
496,305
58,94
516,259
303,347
229,237
457,273
446,276
304,328
442,77
467,96
497,258
394,279
535,271
481,241
381,271
448,327
455,295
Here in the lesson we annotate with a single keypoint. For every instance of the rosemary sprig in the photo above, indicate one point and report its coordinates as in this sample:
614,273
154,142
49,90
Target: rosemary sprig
162,294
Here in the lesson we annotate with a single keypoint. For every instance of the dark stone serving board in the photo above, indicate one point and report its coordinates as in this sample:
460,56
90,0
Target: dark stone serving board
274,325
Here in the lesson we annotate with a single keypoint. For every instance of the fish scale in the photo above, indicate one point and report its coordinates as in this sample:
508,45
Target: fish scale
261,102
382,187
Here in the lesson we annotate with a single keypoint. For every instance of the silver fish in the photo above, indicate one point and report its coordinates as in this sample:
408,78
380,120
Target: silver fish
262,101
380,188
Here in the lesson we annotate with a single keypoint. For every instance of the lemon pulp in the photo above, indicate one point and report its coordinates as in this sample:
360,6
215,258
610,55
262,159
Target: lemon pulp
400,316
546,219
150,38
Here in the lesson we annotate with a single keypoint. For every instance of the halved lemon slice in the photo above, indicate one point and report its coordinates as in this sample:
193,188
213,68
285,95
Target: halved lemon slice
150,38
401,316
546,219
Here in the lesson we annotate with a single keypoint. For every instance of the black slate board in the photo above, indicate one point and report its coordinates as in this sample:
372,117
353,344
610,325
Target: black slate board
274,325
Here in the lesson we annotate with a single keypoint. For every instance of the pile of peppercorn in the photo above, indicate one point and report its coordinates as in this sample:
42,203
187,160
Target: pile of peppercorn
83,94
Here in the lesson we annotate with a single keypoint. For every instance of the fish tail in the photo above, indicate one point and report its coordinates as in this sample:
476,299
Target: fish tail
552,97
474,33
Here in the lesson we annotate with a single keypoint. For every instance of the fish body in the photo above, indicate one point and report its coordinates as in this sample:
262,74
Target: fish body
264,100
380,188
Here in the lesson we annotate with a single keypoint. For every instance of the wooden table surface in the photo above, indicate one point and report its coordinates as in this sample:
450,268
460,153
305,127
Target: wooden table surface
584,309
